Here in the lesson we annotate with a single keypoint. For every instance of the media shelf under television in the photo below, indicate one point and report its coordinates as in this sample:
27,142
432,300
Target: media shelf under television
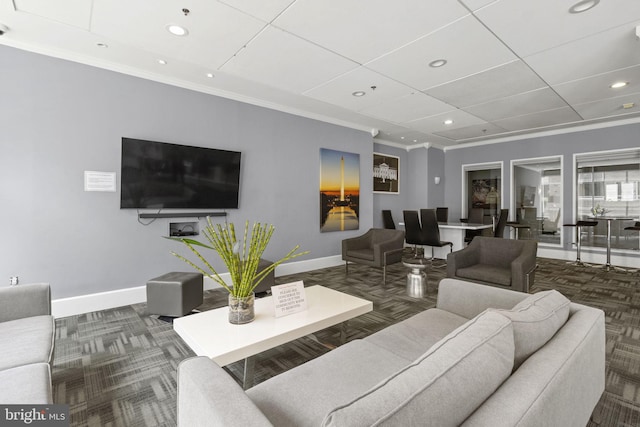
181,214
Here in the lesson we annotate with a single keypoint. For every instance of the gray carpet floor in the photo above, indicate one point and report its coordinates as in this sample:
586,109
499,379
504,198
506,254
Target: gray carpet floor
117,367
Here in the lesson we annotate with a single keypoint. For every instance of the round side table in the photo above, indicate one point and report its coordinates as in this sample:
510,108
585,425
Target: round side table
417,278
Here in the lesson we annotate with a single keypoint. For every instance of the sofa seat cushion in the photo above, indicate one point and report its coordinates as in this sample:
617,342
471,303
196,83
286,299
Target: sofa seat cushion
536,319
323,383
28,384
442,387
27,340
486,273
411,338
366,254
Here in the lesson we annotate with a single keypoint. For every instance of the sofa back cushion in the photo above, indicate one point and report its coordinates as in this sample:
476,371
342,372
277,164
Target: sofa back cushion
444,385
535,320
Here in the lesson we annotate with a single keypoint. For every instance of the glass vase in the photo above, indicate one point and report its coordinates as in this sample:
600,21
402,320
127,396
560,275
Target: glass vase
241,309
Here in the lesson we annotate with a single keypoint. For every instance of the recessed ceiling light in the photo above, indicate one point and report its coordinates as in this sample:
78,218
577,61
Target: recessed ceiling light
618,85
358,93
437,63
448,122
162,62
583,6
177,30
102,45
628,105
210,75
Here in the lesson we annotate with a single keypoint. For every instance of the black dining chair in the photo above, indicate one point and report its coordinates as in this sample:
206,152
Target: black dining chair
412,230
442,214
431,231
387,220
502,222
476,216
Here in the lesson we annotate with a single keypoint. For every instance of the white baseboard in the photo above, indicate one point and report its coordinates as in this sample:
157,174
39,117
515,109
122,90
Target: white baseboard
81,304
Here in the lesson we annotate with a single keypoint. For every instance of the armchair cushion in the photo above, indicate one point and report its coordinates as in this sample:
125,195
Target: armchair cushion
486,273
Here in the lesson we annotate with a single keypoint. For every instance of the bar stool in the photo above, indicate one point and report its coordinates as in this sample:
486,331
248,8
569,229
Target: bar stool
578,225
635,227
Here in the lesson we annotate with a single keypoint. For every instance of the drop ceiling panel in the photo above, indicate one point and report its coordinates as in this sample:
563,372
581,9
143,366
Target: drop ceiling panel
264,10
377,88
610,107
285,61
476,4
76,13
517,105
601,53
535,26
469,132
597,87
499,82
539,120
410,107
435,124
216,31
467,46
366,29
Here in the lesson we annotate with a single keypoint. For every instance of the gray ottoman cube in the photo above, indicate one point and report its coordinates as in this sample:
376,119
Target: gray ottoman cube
268,281
174,294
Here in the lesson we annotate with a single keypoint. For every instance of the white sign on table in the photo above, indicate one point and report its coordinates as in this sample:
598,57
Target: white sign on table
289,298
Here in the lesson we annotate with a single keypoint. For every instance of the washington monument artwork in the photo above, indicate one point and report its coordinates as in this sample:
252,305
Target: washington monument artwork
339,190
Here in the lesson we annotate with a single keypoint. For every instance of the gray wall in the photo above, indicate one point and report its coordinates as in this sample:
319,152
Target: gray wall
59,119
565,145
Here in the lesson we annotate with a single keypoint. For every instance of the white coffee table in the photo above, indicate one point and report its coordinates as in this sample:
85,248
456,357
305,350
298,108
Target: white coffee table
210,334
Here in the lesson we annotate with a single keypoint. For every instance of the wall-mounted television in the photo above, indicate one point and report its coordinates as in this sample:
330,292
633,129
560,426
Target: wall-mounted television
162,175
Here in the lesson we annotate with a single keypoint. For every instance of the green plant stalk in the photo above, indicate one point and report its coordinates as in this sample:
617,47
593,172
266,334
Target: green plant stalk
241,260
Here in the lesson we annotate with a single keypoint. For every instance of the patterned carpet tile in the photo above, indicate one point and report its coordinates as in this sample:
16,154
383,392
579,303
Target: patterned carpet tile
117,367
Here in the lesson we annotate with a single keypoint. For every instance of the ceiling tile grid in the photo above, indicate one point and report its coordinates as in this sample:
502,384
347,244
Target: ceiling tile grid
510,67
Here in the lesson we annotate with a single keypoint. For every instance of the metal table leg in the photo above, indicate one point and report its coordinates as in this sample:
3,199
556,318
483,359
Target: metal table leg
247,378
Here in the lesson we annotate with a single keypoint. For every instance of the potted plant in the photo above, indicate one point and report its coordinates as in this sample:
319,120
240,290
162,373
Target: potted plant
241,259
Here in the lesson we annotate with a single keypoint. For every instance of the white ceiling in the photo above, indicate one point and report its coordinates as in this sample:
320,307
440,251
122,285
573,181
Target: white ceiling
513,67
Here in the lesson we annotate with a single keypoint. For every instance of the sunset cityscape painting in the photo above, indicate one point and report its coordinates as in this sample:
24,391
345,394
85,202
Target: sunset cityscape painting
339,190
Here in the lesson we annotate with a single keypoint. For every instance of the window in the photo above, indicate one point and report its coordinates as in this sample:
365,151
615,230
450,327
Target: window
607,185
537,198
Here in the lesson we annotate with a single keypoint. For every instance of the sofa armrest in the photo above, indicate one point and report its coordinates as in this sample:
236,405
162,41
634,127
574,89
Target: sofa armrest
388,248
21,301
208,396
468,299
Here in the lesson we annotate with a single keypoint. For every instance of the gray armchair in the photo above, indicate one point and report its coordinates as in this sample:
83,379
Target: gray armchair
378,247
497,262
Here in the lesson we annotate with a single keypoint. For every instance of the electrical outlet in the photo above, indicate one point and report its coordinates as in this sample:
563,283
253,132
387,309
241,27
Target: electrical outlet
13,280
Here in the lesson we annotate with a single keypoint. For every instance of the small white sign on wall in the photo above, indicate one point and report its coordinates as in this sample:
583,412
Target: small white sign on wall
99,181
289,298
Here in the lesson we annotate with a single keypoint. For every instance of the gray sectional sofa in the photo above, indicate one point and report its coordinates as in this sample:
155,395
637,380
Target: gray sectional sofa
27,333
484,356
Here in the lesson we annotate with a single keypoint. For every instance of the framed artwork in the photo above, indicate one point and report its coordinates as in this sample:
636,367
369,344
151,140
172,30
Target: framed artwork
485,193
386,174
339,190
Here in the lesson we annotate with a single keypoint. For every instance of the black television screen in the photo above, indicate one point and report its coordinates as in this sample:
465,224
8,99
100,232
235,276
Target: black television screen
160,175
